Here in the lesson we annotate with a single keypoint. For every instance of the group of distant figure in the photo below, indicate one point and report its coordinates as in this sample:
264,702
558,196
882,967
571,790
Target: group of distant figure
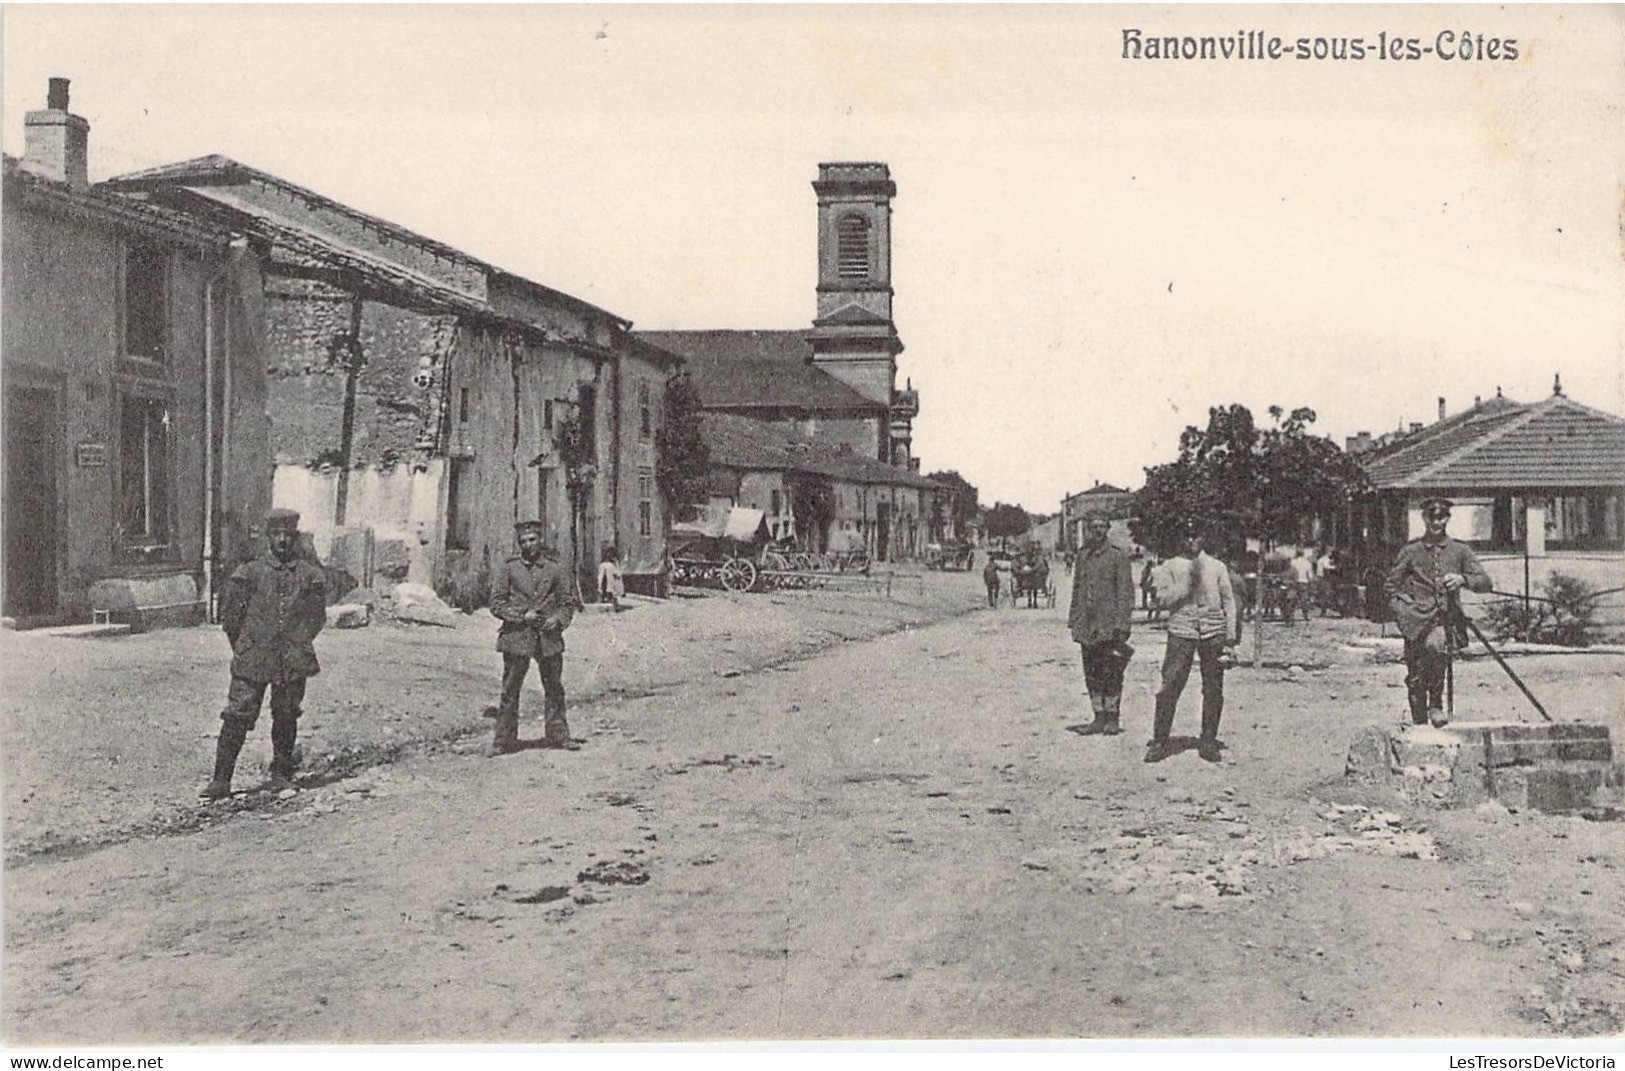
1024,574
1205,599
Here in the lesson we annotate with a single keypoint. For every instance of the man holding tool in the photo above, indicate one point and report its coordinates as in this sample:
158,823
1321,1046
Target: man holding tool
1422,587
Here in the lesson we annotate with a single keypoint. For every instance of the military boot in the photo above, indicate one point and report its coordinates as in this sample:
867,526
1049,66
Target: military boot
1112,726
556,731
505,741
1097,726
1417,695
226,750
284,757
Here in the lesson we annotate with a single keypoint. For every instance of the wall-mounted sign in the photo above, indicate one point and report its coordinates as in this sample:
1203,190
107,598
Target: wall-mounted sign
91,455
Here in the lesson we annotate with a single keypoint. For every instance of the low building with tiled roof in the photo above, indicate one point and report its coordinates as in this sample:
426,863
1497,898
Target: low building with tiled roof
1543,476
816,492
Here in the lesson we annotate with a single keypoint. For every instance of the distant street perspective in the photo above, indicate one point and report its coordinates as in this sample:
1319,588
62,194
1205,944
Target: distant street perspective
793,816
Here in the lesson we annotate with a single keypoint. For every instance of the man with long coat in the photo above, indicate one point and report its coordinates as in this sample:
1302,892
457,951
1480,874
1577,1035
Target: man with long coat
1421,588
272,609
1102,600
535,598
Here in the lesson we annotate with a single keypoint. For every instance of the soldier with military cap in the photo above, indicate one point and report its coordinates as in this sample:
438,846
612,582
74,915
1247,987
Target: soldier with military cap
1421,588
535,598
271,611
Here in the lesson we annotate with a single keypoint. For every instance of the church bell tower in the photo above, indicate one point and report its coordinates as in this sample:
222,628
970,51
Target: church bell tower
853,336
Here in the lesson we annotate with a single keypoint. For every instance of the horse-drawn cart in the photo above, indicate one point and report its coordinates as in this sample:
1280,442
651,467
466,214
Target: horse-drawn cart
733,550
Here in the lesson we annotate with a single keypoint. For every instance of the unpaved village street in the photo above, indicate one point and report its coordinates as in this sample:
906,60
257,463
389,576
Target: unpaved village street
890,838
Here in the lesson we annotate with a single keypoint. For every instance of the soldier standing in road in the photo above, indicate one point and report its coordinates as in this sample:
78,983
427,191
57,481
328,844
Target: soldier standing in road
990,578
1102,602
535,599
272,610
1421,588
1195,589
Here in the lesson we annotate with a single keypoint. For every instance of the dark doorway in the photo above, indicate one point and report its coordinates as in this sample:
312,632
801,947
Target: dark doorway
883,531
30,502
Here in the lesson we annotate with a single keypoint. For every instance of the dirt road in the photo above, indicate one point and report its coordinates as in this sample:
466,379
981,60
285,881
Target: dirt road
893,838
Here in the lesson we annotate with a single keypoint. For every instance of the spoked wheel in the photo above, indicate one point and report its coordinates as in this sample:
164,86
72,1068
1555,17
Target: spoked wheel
738,574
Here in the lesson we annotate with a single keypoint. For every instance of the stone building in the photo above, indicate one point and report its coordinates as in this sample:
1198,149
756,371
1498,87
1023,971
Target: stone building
136,442
824,496
834,383
422,400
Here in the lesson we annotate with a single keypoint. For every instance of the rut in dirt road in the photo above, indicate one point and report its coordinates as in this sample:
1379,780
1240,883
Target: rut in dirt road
896,838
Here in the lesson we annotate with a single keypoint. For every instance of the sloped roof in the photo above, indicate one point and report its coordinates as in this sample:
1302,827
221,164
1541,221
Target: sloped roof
138,215
741,442
853,314
1555,443
735,369
216,170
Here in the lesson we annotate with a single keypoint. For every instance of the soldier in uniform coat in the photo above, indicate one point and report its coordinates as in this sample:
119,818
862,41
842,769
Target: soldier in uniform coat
1102,602
272,610
1421,586
535,598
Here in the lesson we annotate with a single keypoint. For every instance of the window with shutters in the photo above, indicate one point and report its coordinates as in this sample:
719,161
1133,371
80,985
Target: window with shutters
646,490
852,247
144,490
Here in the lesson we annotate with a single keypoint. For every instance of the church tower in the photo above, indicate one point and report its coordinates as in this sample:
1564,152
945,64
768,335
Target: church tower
853,337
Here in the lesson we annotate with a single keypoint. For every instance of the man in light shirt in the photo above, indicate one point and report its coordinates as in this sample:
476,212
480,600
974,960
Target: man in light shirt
1195,589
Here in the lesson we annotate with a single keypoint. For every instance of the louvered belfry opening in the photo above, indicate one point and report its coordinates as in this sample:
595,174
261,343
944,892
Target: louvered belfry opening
852,247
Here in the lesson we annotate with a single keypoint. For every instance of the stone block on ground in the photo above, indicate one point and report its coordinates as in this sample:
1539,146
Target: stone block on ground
349,615
1557,768
418,603
146,603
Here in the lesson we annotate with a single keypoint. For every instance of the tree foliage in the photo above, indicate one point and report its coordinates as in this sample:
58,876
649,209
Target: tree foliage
959,502
1007,521
682,459
1238,479
812,502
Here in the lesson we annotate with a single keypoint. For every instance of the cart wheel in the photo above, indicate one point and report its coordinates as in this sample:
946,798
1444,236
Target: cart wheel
738,574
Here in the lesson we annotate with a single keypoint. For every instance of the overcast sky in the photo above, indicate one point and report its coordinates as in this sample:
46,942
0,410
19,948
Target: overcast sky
1089,251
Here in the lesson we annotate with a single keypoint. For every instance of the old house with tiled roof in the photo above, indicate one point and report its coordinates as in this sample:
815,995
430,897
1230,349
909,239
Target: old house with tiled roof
136,441
1546,476
767,466
422,400
834,383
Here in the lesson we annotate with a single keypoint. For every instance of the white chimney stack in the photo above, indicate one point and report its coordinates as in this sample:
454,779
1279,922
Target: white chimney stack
56,142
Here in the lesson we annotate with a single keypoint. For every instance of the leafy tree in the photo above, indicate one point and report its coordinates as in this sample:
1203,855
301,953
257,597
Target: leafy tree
958,502
1007,521
682,459
812,501
1244,481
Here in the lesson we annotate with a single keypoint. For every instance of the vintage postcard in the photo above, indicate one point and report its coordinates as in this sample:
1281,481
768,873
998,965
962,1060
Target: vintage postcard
772,523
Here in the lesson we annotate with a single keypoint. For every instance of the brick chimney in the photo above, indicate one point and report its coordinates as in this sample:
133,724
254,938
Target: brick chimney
56,142
1441,408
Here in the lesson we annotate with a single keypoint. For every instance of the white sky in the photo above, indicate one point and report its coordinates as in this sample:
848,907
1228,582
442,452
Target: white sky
1089,252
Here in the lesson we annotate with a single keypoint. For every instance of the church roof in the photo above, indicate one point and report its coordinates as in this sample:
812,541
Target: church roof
741,442
742,369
